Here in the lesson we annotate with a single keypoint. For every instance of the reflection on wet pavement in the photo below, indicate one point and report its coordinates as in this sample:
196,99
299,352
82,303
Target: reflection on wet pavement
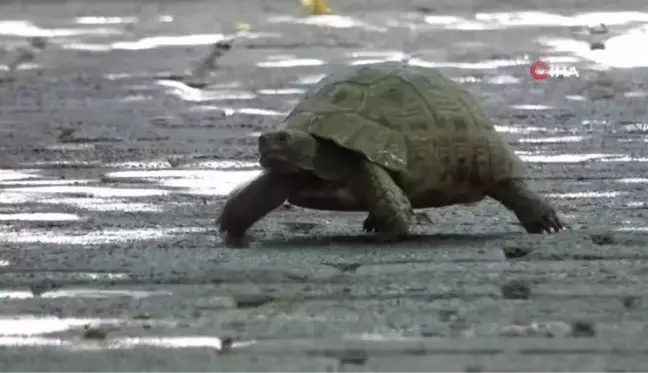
551,144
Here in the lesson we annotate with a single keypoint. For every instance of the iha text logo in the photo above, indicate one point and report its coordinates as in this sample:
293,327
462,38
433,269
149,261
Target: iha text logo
541,70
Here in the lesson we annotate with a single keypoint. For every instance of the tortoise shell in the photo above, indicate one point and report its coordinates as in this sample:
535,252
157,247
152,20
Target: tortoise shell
414,121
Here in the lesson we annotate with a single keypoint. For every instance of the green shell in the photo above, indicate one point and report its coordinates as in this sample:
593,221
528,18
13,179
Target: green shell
378,109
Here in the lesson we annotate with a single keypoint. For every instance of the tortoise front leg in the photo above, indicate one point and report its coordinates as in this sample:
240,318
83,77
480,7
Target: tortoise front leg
389,208
534,212
250,202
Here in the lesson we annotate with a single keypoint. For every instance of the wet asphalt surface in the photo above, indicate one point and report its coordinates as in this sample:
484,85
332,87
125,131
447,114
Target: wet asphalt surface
112,176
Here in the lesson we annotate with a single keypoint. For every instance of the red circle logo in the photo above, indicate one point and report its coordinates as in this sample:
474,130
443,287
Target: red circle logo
539,70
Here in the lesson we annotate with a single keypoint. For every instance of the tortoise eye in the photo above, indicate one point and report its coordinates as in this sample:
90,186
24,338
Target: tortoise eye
282,137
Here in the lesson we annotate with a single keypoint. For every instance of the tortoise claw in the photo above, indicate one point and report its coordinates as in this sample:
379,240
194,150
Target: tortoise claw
548,222
372,225
369,224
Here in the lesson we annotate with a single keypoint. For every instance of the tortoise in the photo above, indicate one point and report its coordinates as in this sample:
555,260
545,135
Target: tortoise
386,138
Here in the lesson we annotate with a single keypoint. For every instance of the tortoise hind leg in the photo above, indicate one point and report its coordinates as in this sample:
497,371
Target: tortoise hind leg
390,211
249,203
534,212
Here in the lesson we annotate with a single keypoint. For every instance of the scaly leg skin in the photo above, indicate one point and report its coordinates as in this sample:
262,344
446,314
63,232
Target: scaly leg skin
534,212
249,203
389,208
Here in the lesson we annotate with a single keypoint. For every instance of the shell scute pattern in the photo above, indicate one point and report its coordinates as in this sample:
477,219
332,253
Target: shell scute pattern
343,96
443,98
414,121
395,104
380,144
336,109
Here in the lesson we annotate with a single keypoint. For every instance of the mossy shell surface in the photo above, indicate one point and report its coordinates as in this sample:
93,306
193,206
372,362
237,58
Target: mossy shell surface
407,119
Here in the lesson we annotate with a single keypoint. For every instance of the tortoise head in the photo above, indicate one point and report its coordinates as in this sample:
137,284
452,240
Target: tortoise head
287,151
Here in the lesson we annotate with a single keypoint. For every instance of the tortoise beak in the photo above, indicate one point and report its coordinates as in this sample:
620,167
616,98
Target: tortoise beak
275,161
272,142
272,153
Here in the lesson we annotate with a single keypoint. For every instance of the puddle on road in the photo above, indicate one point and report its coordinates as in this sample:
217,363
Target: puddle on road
635,128
553,140
40,216
633,180
70,147
6,175
566,158
187,93
615,53
228,165
28,29
632,229
85,203
101,293
33,182
283,91
624,44
27,188
297,62
153,164
329,21
101,204
480,65
84,293
519,129
118,343
620,50
90,191
29,326
228,111
531,107
153,42
625,158
104,236
105,20
501,20
586,195
199,182
88,20
379,54
310,79
18,188
371,57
